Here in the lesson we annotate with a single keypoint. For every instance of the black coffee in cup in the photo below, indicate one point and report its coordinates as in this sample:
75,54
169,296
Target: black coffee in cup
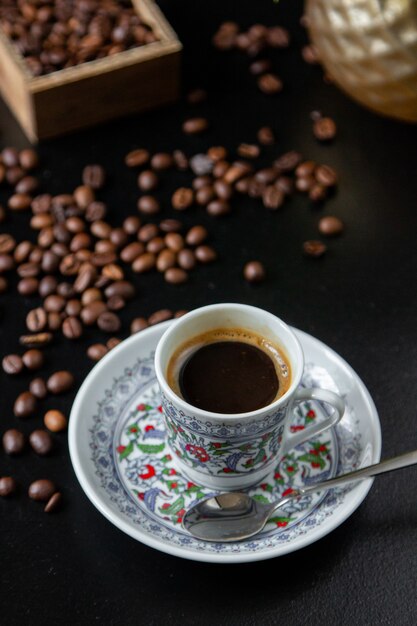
229,370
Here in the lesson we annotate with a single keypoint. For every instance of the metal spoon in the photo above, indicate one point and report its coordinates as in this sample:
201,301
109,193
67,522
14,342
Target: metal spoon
235,516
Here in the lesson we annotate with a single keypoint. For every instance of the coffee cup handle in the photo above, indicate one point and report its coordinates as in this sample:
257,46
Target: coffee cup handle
291,440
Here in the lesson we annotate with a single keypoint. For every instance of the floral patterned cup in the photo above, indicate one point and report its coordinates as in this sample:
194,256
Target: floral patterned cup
231,452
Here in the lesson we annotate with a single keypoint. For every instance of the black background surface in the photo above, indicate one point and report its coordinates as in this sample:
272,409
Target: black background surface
75,567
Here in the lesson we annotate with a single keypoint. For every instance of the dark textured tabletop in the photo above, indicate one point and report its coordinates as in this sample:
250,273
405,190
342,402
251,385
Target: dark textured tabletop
74,567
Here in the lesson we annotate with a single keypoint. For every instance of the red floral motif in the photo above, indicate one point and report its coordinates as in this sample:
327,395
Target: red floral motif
217,445
120,449
198,452
172,472
166,505
277,476
133,429
314,464
290,468
141,407
281,524
141,496
160,409
227,470
287,492
190,485
149,474
311,414
295,429
149,427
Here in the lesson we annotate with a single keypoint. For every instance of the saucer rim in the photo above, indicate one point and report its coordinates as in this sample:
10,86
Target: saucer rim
356,496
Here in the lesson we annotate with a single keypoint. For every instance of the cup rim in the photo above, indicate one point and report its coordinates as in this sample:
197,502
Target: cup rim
226,417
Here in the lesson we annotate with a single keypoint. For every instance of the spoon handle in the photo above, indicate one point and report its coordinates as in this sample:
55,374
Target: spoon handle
397,462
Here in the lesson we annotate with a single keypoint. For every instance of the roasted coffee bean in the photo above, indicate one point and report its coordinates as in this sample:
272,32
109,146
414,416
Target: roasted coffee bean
54,303
73,307
83,196
147,180
22,251
7,243
41,442
47,286
182,198
266,136
223,190
235,171
19,202
326,175
55,421
314,248
324,129
217,153
91,295
25,404
272,197
148,205
162,161
35,340
96,351
27,185
85,279
174,241
35,257
4,285
116,303
304,184
317,193
60,382
37,386
109,322
94,176
186,259
166,259
218,208
170,226
27,270
206,194
113,271
12,364
100,259
75,224
95,211
10,157
180,160
36,320
270,84
331,226
254,272
138,324
66,290
13,441
137,158
100,229
196,235
119,237
72,327
201,164
288,161
121,288
28,159
131,251
180,313
131,225
266,175
54,320
260,66
205,254
242,185
144,263
196,96
155,245
53,503
8,486
61,233
248,150
6,263
90,313
305,169
81,241
160,316
14,174
195,125
33,359
70,265
175,276
41,490
201,181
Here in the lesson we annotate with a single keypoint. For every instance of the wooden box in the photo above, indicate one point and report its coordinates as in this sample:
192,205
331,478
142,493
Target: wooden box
73,98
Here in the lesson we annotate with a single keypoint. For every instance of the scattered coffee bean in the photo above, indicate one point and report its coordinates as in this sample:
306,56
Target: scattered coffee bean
162,161
38,388
314,248
7,243
147,180
13,441
254,272
331,226
144,263
137,158
96,351
35,340
326,175
160,316
60,382
8,486
174,241
25,404
12,364
260,66
55,421
170,226
113,342
53,503
138,324
166,259
72,328
196,96
266,136
218,208
148,205
41,490
201,164
324,129
109,322
186,259
28,159
273,198
205,254
310,54
196,235
182,198
270,84
36,320
33,359
175,276
248,151
19,202
195,126
94,176
41,442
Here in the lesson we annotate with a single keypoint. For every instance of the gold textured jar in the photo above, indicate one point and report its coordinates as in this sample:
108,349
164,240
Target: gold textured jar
369,48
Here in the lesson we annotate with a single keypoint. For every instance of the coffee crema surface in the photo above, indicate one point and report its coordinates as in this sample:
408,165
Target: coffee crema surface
229,370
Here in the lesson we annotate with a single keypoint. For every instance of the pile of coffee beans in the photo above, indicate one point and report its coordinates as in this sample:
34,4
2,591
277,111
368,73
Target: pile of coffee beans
57,34
255,41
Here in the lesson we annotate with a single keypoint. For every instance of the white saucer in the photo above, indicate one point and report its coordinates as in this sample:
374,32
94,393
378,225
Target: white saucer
118,451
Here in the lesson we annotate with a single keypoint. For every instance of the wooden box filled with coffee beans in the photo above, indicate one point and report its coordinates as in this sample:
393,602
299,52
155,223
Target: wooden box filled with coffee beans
69,64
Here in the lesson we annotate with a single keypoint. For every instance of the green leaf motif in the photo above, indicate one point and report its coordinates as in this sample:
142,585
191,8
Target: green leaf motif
260,498
126,451
148,448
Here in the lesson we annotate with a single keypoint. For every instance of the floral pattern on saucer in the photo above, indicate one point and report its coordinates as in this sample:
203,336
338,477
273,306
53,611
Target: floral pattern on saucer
147,468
